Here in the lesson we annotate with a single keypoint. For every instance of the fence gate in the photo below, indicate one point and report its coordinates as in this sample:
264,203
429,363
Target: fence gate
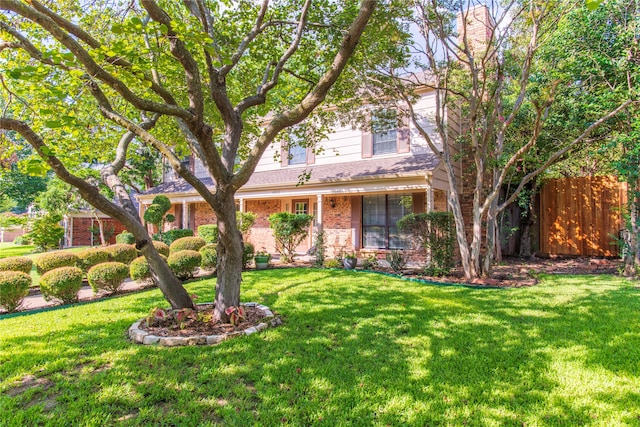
581,216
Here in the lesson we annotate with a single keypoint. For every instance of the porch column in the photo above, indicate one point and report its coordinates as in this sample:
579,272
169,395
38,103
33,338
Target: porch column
241,204
185,215
318,213
71,232
429,199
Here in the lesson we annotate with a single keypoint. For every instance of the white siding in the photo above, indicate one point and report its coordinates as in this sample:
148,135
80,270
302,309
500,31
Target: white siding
425,109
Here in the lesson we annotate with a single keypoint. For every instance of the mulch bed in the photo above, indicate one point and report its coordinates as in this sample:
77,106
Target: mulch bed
253,316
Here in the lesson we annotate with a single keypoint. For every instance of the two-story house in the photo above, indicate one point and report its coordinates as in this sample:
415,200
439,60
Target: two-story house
359,185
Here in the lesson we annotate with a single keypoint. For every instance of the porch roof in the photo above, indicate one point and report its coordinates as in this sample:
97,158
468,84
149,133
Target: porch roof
363,170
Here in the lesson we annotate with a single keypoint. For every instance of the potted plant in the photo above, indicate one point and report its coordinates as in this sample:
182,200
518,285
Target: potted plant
349,261
262,259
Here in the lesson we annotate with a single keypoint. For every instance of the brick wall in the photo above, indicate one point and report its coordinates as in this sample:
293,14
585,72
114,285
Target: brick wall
203,215
336,222
261,235
82,234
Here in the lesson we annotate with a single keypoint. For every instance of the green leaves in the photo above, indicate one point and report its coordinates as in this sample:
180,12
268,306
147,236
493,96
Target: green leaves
593,4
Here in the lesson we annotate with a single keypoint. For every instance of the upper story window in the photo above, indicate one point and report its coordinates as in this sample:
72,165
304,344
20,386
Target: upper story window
294,150
388,134
297,153
384,132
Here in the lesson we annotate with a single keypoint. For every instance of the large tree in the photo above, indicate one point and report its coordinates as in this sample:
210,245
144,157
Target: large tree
216,80
494,100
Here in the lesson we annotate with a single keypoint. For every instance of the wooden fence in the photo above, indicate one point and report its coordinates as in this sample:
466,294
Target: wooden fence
581,216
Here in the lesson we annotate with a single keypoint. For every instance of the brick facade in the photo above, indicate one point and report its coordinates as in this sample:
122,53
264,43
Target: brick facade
336,222
261,235
203,214
81,231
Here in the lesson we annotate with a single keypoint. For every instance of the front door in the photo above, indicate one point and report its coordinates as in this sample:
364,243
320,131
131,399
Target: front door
301,206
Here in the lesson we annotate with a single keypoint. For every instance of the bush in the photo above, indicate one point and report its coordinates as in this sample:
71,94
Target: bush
333,263
435,231
248,250
209,255
139,269
187,244
183,263
161,247
122,253
396,260
90,257
319,248
53,260
21,241
289,230
14,286
245,221
209,232
107,276
126,238
16,263
61,284
170,236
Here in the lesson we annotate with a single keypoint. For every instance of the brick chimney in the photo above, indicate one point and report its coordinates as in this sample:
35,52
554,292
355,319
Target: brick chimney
477,24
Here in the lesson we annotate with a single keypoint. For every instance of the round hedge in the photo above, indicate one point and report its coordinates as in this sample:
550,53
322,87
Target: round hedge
62,284
121,252
209,255
14,286
183,263
90,257
125,238
107,276
162,248
52,260
16,263
187,244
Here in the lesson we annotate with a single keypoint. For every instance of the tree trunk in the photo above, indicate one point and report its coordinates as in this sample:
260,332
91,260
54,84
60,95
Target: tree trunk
229,269
162,275
631,240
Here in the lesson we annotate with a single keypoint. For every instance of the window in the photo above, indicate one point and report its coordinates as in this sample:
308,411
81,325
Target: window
300,207
379,216
384,132
297,152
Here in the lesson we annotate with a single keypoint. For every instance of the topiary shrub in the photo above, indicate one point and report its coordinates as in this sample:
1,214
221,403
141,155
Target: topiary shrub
14,286
90,257
170,236
53,260
183,263
248,251
107,276
62,284
289,230
122,253
126,238
162,248
209,255
16,263
187,244
209,232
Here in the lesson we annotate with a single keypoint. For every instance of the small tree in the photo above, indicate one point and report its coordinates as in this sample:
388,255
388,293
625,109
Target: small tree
155,213
435,232
45,232
289,230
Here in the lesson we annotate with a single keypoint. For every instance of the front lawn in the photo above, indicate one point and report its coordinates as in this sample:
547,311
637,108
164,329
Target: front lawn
355,349
9,249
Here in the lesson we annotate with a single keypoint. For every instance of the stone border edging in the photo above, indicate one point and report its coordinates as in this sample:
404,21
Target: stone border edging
143,337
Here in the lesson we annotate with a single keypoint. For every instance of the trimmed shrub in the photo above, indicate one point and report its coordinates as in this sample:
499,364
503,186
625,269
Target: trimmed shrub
139,269
107,276
16,263
289,230
170,236
162,248
248,250
209,232
53,260
90,257
183,263
14,286
209,255
126,238
62,284
122,253
187,244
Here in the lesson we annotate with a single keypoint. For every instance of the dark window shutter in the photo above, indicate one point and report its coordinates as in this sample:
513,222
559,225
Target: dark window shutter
419,202
356,221
404,135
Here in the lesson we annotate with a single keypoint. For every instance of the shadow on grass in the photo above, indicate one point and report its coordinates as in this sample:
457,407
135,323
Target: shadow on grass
356,349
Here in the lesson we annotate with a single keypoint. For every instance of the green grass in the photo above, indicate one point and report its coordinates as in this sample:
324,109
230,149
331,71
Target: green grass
356,349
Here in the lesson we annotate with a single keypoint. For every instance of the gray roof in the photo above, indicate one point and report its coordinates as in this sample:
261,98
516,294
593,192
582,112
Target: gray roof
405,166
